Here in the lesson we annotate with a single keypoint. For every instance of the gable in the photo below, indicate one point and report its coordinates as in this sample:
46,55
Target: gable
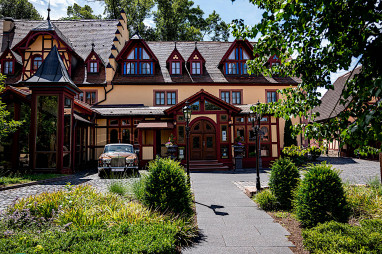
135,48
214,102
175,56
245,50
196,56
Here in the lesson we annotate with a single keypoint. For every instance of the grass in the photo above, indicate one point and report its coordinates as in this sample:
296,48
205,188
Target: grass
82,220
17,178
119,188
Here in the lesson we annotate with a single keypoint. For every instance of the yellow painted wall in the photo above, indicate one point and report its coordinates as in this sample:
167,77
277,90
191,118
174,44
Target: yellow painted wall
210,116
143,94
147,153
274,150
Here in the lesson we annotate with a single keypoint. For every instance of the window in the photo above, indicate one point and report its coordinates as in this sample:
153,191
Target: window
195,68
225,96
90,98
237,62
93,68
236,97
231,96
171,98
159,98
81,96
165,98
138,62
129,68
8,67
271,96
37,61
175,68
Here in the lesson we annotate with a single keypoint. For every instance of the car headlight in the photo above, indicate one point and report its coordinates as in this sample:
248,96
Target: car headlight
129,160
106,160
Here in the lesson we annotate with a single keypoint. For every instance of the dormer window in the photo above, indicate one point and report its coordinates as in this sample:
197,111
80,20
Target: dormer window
138,61
175,62
175,68
37,61
8,67
196,62
93,68
236,63
195,70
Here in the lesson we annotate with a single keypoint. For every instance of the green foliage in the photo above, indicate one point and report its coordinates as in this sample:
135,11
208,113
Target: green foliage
298,154
167,187
174,20
323,37
16,178
289,140
266,200
314,152
19,9
365,202
118,188
321,197
82,220
283,181
77,12
335,237
7,124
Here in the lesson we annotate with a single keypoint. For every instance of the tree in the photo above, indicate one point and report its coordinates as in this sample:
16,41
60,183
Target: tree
173,19
78,12
19,9
288,134
322,37
179,20
7,126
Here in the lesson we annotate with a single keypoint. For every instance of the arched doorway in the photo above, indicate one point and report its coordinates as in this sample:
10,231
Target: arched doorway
203,141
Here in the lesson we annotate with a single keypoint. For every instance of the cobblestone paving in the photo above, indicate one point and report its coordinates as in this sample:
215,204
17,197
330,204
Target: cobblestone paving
352,171
7,197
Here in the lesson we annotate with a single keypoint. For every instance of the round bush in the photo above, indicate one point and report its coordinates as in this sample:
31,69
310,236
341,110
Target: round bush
266,200
167,187
321,197
283,181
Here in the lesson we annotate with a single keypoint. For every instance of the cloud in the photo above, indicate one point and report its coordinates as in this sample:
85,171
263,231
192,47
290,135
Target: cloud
149,22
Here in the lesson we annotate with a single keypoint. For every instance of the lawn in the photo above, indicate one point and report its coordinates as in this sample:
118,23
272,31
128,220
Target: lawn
17,179
82,220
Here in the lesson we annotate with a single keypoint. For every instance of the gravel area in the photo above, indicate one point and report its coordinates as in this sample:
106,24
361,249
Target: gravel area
352,171
7,197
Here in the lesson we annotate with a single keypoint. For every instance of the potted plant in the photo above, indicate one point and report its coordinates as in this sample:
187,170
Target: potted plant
171,146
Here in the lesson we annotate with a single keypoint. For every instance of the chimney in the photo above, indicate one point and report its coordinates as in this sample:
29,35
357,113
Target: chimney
8,25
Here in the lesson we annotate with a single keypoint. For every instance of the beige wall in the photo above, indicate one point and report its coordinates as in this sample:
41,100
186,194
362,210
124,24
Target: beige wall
143,94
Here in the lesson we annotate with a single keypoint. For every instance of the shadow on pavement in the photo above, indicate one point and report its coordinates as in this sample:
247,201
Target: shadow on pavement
214,207
336,160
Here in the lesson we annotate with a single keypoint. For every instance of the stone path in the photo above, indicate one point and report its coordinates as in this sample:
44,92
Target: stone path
229,221
7,197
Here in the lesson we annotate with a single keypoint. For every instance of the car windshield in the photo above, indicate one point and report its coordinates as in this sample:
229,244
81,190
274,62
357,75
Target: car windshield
119,148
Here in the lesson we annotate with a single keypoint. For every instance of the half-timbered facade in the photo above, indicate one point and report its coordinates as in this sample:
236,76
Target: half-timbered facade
128,90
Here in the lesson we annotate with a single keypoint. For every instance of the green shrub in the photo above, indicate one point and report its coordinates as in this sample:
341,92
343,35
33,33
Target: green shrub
321,197
314,152
283,181
335,237
297,154
167,187
82,220
118,188
266,200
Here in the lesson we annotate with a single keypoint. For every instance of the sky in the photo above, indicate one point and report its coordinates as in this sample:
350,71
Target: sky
240,9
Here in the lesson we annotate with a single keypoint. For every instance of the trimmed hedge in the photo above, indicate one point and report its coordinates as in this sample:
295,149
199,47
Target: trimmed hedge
167,188
321,197
283,181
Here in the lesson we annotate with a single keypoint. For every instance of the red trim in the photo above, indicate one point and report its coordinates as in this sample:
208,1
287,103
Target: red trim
203,95
272,61
89,60
131,44
171,59
4,60
271,90
230,95
84,91
165,96
200,59
243,43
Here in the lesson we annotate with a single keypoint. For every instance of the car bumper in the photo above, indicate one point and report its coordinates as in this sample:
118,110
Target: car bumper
117,169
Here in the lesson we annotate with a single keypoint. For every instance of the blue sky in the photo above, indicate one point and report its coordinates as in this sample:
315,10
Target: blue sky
240,9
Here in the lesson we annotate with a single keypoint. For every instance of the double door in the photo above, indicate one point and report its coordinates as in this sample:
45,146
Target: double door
203,141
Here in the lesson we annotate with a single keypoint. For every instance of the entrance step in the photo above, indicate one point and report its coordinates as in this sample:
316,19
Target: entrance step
207,165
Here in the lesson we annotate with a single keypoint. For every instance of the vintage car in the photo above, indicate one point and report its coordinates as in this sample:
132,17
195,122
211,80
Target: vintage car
117,158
